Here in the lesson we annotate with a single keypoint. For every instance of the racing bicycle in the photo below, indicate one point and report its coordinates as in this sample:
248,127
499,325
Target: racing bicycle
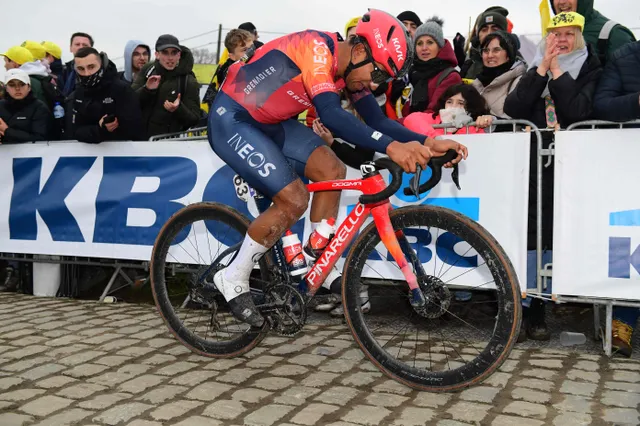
413,261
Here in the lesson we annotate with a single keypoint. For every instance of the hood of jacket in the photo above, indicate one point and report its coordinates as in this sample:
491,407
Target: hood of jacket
36,68
585,8
128,59
185,66
448,54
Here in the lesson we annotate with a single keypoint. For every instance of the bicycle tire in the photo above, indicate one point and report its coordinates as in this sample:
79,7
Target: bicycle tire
509,312
185,216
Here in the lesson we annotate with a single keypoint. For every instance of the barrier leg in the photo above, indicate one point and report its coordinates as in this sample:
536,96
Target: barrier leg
607,335
596,321
110,284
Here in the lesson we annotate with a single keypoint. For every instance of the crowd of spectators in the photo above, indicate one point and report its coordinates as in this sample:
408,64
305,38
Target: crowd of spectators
586,67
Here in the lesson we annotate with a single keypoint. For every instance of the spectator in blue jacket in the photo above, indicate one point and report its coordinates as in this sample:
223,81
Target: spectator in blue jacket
618,94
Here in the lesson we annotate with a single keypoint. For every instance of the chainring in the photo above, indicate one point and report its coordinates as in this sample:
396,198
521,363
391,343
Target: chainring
290,314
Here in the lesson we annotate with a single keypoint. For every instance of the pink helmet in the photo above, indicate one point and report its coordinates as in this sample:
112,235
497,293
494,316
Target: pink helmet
389,42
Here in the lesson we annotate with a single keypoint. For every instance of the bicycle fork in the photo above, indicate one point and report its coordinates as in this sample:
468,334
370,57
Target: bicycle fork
395,242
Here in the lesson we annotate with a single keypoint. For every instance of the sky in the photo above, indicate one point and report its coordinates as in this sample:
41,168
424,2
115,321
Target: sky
112,23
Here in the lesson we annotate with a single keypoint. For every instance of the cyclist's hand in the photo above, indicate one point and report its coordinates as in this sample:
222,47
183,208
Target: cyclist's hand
439,147
406,155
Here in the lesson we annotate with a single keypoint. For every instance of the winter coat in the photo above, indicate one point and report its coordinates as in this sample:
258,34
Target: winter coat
127,74
436,86
157,120
573,98
617,96
28,120
496,92
112,96
473,65
423,122
594,21
68,83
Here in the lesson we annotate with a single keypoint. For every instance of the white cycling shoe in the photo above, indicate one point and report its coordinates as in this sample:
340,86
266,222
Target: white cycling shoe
239,298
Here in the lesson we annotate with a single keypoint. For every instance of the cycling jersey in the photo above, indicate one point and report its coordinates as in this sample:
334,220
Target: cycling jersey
282,78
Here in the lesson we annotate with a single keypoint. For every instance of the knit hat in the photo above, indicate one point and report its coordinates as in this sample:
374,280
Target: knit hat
410,16
432,28
493,17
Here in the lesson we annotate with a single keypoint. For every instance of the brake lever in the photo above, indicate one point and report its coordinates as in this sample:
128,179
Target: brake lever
414,185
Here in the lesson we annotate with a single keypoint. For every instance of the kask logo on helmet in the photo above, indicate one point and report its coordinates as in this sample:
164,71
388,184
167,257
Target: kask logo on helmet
398,47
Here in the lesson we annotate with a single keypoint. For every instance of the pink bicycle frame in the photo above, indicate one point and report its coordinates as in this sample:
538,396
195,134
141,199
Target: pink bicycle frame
350,226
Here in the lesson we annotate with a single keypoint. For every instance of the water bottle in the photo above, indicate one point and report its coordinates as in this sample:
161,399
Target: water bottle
319,238
568,338
292,248
58,111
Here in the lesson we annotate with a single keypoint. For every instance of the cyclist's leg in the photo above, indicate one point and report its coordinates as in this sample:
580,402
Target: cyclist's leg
239,141
311,157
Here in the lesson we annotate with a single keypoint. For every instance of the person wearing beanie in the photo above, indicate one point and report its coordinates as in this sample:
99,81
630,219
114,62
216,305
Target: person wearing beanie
411,21
491,20
501,70
433,69
23,118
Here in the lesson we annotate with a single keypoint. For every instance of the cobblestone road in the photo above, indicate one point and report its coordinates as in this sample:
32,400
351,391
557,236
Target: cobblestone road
74,362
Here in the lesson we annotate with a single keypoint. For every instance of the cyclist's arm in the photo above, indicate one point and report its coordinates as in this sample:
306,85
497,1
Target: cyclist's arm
366,105
346,126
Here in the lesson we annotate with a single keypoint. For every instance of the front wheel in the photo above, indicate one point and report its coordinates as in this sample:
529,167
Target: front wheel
472,316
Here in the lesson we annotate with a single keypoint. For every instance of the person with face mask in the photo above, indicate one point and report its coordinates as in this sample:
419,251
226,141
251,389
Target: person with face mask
102,107
23,118
460,104
168,89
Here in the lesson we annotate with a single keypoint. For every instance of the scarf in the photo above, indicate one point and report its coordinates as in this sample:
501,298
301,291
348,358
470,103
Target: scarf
569,62
488,74
421,73
90,81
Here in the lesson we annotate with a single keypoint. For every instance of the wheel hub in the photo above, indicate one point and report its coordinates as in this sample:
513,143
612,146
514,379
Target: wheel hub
437,296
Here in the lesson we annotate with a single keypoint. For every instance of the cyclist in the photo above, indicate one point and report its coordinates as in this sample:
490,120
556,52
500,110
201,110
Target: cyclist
253,128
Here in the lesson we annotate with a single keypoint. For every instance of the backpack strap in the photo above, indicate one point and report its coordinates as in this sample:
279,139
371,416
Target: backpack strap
603,40
444,74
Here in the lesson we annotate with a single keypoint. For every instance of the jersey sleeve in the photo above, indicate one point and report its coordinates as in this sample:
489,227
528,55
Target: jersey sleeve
317,67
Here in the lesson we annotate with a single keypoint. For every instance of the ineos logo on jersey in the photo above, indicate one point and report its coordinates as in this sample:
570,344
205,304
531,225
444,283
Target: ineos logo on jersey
320,53
302,100
398,47
379,42
254,159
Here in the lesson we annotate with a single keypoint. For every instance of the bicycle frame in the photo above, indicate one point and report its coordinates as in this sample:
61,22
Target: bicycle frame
348,229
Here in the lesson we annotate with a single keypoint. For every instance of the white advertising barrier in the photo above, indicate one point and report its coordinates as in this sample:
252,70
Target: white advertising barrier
110,200
596,238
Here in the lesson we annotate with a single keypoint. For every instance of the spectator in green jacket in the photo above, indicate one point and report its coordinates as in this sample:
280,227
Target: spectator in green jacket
594,23
168,89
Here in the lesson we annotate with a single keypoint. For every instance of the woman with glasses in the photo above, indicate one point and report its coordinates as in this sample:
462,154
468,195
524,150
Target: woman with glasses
501,70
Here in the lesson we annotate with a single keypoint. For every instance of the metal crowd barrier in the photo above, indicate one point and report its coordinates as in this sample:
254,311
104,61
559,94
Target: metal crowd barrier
598,303
197,133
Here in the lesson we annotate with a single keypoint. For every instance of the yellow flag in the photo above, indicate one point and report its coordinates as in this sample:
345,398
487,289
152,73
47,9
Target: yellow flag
545,15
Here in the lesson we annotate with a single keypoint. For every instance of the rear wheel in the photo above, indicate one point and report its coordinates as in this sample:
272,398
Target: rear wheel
472,316
192,246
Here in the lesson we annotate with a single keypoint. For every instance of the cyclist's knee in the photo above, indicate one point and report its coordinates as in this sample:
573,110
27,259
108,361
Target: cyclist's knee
327,166
293,200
